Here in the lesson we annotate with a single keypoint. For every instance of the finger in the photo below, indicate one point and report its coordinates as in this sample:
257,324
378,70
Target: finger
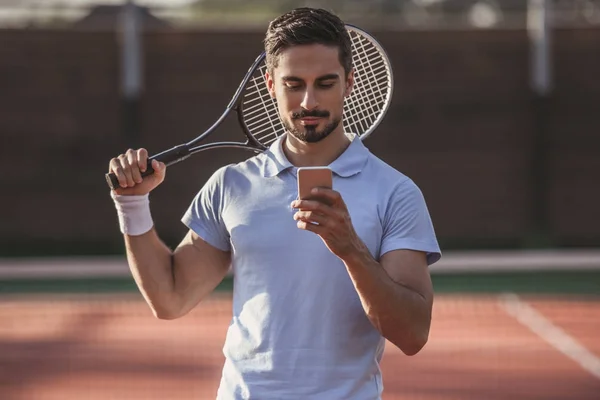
329,196
311,217
132,159
142,156
115,167
307,226
312,205
160,169
126,171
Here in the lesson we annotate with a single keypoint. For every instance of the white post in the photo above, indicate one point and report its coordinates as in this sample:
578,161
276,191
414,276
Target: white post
538,28
131,51
130,30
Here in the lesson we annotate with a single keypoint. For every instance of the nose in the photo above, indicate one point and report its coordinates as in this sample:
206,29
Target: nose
309,101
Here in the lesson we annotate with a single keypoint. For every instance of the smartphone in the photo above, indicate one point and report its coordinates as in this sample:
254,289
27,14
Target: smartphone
312,177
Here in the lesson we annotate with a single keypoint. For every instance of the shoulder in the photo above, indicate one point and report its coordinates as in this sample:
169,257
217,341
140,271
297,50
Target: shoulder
231,178
248,168
384,175
394,189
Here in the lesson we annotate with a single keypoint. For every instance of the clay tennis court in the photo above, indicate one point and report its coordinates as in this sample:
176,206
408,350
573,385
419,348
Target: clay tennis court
111,347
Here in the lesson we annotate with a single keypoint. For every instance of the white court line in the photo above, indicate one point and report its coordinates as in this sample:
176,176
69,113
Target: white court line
550,333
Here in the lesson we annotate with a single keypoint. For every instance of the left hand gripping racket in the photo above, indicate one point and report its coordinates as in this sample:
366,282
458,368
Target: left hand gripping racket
258,115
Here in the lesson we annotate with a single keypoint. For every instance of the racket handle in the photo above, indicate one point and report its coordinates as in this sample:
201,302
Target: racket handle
168,157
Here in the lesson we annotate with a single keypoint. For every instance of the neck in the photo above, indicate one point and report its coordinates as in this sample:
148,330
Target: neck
322,153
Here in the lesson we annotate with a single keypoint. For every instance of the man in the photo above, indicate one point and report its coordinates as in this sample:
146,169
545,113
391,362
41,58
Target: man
312,303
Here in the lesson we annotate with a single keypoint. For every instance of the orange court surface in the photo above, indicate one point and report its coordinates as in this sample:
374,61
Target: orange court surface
101,346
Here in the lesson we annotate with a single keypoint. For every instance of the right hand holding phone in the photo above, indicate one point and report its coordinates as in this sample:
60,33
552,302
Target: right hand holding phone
129,167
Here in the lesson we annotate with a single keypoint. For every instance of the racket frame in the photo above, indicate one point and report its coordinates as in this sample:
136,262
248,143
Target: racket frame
183,151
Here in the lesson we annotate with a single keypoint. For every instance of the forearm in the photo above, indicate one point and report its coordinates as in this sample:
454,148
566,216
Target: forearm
151,264
149,259
400,314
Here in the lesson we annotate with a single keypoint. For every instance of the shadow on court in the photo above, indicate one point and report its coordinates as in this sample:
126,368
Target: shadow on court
111,347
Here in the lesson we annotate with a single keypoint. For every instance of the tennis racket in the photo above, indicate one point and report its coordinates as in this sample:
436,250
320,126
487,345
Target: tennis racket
258,115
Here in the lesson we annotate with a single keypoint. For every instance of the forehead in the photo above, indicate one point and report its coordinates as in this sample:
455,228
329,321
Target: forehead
308,61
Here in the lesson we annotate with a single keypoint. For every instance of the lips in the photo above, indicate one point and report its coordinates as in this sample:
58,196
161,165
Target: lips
310,120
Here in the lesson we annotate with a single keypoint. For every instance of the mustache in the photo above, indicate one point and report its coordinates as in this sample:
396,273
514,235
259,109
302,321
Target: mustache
310,113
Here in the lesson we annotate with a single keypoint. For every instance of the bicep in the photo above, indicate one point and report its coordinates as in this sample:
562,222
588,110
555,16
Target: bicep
198,268
409,268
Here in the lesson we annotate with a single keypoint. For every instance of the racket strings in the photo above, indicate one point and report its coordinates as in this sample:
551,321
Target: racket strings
371,87
260,113
363,108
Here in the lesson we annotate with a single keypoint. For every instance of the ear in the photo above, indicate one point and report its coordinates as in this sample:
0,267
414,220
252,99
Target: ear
349,83
270,84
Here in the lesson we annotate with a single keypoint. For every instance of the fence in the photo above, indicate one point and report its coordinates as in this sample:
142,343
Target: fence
461,125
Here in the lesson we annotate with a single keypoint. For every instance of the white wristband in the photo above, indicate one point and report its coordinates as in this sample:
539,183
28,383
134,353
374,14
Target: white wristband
134,213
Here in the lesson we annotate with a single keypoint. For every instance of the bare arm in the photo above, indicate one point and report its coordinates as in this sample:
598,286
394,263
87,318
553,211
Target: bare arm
396,293
175,282
172,282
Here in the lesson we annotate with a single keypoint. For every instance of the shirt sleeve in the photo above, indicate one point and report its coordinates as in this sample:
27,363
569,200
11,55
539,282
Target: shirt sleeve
407,223
205,214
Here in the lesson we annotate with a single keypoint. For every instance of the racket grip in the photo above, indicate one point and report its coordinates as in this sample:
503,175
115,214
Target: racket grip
168,157
113,182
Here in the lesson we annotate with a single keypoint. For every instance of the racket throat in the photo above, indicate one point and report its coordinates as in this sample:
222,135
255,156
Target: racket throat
173,155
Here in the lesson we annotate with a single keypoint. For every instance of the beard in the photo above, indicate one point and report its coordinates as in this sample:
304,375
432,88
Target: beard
310,134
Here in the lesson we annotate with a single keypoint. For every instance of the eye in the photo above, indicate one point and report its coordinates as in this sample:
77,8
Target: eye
326,85
292,87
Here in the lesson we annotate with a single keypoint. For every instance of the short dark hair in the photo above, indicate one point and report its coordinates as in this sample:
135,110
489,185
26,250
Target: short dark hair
303,26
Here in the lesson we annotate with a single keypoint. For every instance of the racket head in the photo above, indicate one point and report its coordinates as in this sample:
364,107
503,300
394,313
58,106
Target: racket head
364,108
258,113
373,88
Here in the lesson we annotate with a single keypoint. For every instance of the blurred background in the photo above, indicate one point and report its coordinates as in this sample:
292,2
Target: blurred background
495,116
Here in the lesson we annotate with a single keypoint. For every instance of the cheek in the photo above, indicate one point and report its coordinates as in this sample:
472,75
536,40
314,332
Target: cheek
334,102
282,105
287,101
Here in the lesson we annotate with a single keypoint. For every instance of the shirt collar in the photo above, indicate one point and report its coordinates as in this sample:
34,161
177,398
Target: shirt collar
349,163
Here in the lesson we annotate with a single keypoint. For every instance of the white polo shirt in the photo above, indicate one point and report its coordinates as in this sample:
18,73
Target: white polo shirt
298,329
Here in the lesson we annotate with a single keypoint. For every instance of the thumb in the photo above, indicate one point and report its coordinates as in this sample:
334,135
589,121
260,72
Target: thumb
160,169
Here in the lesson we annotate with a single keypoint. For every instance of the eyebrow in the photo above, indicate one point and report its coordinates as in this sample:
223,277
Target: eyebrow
326,77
